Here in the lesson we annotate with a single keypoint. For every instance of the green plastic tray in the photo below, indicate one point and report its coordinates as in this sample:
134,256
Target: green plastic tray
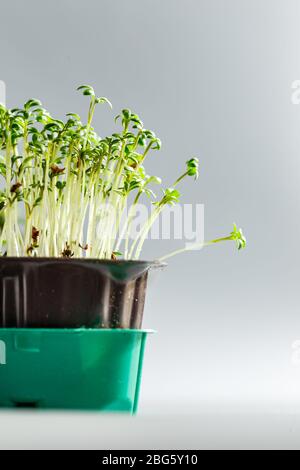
85,369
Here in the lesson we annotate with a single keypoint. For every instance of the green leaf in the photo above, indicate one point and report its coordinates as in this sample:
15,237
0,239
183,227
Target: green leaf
103,100
32,103
87,90
126,113
238,236
192,167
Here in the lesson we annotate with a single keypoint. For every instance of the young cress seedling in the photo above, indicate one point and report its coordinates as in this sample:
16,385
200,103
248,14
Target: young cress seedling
65,177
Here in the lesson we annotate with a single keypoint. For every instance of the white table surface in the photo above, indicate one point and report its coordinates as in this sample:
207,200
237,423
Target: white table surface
209,427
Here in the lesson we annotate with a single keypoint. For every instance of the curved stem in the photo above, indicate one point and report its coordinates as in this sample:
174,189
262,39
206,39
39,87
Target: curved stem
193,247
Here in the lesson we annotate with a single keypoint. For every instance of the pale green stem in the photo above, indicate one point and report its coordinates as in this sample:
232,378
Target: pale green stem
193,247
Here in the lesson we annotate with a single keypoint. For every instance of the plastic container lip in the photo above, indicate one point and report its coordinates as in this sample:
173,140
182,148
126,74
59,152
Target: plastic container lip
152,264
77,330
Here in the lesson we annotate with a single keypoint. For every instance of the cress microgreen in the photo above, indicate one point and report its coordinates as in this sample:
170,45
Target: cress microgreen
65,177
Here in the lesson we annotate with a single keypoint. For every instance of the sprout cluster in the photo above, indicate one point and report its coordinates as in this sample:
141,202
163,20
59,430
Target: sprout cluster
61,177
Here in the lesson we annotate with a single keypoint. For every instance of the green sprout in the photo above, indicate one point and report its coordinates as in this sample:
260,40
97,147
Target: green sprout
61,181
236,235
